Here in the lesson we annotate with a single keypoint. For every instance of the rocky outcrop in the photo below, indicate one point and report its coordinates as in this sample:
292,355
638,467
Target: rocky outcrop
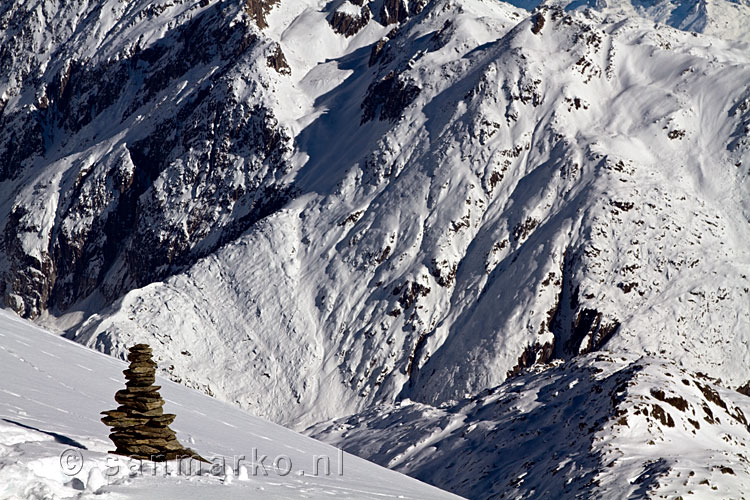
348,24
31,275
579,327
607,416
538,23
258,10
277,61
388,97
151,177
398,11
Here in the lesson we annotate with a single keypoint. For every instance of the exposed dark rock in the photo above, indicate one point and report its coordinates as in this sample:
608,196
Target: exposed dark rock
24,140
538,23
622,205
744,389
377,51
112,232
589,325
388,98
677,401
676,134
739,416
578,329
348,25
416,352
277,61
410,293
416,6
383,255
27,287
711,395
258,10
352,218
444,272
536,353
627,287
522,230
495,179
393,11
398,11
663,416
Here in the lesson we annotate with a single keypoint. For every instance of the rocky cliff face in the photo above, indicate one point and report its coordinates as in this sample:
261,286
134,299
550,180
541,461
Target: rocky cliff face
308,209
130,162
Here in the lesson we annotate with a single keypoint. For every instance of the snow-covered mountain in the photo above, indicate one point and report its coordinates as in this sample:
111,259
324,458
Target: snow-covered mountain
312,208
723,19
600,426
136,137
51,438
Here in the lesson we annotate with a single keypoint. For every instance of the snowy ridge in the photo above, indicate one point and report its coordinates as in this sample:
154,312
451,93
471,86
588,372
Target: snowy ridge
51,396
722,19
601,426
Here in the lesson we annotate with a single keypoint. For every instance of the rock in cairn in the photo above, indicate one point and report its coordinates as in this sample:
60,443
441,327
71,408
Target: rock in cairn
140,429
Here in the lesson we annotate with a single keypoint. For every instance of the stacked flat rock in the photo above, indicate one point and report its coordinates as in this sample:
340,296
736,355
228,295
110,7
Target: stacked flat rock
140,428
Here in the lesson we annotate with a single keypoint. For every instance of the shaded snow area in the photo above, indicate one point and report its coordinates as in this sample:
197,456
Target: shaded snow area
602,426
53,446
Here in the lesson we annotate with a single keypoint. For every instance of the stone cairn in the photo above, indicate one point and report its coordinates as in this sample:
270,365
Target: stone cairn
140,429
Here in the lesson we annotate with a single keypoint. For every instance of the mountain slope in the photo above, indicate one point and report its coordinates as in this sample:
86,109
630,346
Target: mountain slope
517,191
129,127
722,19
598,427
51,396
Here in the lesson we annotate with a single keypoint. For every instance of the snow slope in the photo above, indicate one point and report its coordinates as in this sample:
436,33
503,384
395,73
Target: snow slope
601,426
52,391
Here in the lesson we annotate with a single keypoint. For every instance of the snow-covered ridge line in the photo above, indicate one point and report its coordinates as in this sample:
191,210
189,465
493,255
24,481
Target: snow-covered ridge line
601,426
723,19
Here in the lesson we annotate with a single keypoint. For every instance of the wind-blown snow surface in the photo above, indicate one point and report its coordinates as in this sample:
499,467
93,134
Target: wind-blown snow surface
601,426
51,393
